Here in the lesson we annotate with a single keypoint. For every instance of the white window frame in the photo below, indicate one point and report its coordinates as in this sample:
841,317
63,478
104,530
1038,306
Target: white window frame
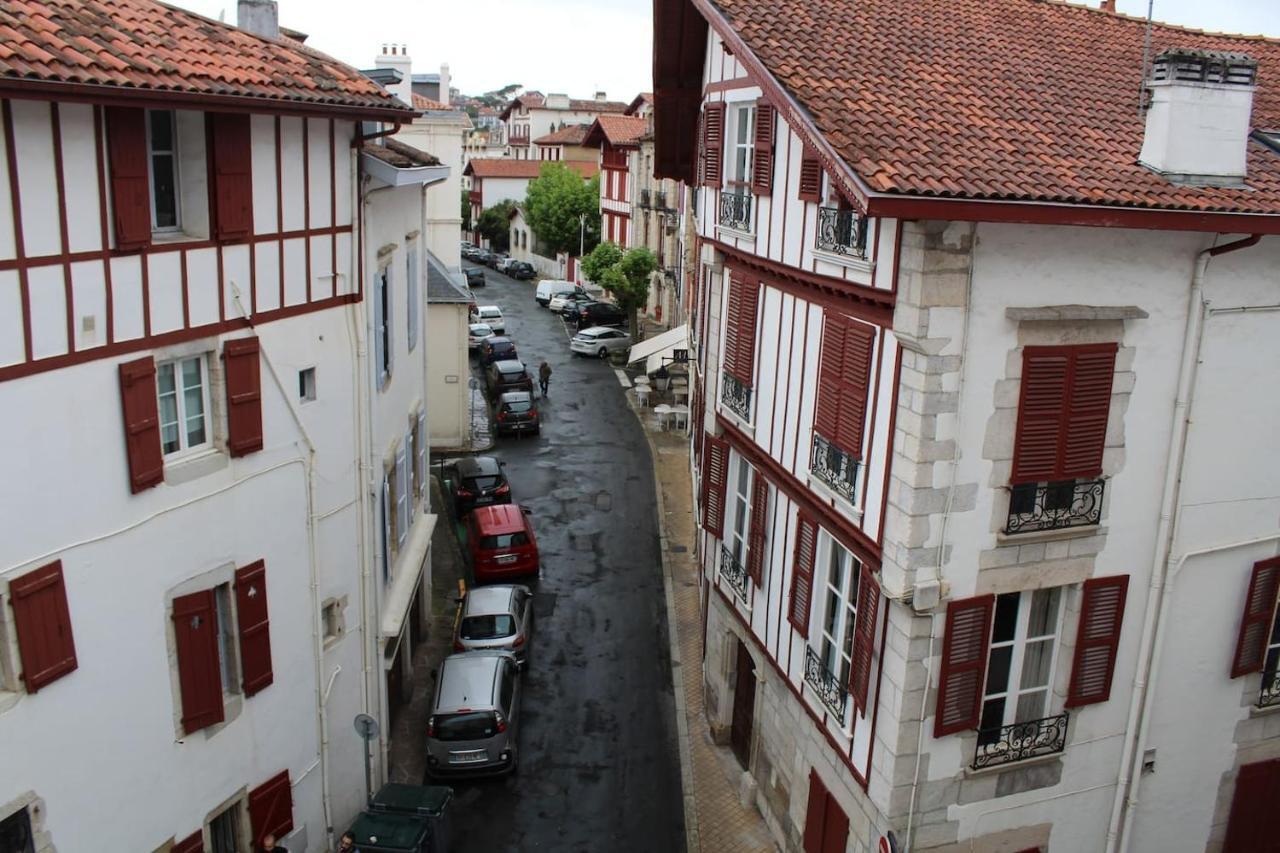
737,145
834,641
173,155
179,393
1013,691
737,536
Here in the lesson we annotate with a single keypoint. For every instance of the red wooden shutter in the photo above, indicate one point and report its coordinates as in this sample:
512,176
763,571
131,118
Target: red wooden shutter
254,627
1255,624
1093,368
193,843
855,380
802,573
810,177
1254,822
864,638
714,477
827,414
815,814
712,144
964,664
271,808
740,330
130,185
141,423
1062,412
1097,640
762,158
195,629
835,828
759,524
244,396
231,167
43,623
1040,414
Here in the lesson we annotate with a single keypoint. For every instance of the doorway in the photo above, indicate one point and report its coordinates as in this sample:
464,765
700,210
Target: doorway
744,707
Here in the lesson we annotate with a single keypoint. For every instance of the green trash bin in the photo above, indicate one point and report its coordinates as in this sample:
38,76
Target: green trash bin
405,819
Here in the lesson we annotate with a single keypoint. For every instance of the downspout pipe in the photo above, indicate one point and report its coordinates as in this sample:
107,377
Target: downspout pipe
1124,804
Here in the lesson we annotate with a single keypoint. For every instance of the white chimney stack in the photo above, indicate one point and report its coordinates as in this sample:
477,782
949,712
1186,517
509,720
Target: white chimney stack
1198,120
444,84
260,17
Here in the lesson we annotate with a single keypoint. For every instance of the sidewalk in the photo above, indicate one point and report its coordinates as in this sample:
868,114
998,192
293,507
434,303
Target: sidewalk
715,820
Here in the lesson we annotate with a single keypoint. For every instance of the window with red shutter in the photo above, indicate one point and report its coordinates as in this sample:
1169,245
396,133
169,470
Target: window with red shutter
1062,412
964,664
759,526
826,827
244,396
271,808
864,638
1254,822
762,156
810,188
1257,620
1097,640
740,329
195,628
802,574
43,624
130,185
715,475
844,383
231,168
141,423
713,145
254,627
193,843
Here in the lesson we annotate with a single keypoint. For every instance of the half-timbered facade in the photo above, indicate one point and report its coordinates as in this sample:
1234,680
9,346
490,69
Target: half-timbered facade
184,612
617,138
988,508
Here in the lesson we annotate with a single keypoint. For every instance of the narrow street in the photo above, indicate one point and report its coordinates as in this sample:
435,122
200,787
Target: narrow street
599,768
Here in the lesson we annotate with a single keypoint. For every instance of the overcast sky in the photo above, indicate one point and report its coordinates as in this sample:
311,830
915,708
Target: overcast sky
579,47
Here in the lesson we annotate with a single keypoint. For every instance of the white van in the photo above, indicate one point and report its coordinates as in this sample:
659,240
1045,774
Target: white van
549,287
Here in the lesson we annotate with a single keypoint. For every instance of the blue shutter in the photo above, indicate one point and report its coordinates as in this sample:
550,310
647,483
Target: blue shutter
421,446
402,494
379,326
389,321
386,529
413,295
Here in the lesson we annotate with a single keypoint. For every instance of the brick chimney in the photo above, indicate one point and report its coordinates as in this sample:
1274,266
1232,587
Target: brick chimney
260,17
1198,120
1108,5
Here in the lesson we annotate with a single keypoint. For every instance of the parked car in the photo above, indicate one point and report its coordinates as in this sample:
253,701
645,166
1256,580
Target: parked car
497,348
550,287
560,300
504,265
478,481
492,315
495,617
475,715
501,544
481,256
600,341
477,334
515,412
521,271
475,277
507,375
494,259
600,314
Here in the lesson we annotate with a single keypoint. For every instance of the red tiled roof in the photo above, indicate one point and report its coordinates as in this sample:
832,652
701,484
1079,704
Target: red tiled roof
589,106
1024,100
485,168
143,46
572,134
638,101
398,154
618,131
422,102
537,101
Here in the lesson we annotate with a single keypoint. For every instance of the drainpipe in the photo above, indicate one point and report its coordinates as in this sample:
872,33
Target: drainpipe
1125,802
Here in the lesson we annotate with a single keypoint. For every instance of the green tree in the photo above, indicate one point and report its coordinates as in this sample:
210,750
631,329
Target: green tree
563,210
495,223
466,210
600,259
625,275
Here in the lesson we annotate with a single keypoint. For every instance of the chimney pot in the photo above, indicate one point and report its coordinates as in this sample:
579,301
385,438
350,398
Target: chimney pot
260,17
1108,5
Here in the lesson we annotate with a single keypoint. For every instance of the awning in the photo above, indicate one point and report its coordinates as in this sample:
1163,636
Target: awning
408,569
659,348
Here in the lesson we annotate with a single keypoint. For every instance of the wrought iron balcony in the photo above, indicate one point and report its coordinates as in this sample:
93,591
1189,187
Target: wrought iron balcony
735,395
734,572
842,232
1020,741
1054,506
1270,693
735,210
834,467
830,689
644,198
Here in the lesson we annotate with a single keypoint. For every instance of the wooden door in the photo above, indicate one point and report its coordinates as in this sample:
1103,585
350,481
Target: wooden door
1254,826
744,707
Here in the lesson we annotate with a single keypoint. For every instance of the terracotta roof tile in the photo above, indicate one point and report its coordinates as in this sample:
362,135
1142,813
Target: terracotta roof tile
572,134
145,45
486,168
1029,100
422,102
617,130
398,154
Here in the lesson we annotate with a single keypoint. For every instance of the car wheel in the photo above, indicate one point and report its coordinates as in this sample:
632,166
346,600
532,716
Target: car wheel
604,353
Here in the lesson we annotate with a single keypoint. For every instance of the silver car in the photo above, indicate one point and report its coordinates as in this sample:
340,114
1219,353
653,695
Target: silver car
495,617
475,718
476,334
600,341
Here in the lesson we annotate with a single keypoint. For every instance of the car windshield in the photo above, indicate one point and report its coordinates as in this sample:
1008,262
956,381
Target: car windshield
522,406
483,482
588,336
475,725
503,540
512,370
490,312
489,627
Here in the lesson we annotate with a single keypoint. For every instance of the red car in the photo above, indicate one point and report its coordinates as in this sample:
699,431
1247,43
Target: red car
501,543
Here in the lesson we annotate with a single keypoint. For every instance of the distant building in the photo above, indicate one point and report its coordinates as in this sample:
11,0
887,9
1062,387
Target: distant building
533,115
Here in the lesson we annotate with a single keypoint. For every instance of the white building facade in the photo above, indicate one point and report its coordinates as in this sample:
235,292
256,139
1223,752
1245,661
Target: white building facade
533,115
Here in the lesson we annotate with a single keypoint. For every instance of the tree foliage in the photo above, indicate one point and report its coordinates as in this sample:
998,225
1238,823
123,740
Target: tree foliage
466,210
495,224
625,275
555,204
600,259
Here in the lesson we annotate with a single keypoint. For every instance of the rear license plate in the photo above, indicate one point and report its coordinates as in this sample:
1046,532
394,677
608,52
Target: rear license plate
471,756
507,558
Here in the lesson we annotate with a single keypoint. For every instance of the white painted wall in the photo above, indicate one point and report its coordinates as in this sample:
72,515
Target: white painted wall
442,134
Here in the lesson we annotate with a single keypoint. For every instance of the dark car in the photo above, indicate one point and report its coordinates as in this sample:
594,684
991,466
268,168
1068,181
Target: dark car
516,413
494,258
573,303
507,375
497,348
522,271
479,481
475,277
481,256
600,314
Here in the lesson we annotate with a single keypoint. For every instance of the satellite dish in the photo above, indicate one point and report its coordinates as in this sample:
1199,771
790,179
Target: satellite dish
366,726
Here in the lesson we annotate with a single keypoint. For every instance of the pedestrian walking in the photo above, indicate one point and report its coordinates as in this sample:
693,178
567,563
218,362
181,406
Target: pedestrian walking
544,377
269,845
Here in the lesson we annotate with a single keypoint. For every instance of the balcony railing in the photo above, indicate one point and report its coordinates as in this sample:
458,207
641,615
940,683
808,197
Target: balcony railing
736,396
644,198
1020,741
830,689
1054,506
834,467
842,232
734,572
659,200
1270,693
735,210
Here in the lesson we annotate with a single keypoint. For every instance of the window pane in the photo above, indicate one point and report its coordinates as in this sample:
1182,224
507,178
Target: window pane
164,191
193,401
1006,621
1043,618
161,130
998,669
992,715
1031,706
1035,664
168,409
833,613
226,638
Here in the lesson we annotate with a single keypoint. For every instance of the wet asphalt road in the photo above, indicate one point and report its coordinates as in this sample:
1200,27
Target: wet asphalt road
599,766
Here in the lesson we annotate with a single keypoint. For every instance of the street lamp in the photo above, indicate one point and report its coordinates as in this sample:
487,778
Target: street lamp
582,231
